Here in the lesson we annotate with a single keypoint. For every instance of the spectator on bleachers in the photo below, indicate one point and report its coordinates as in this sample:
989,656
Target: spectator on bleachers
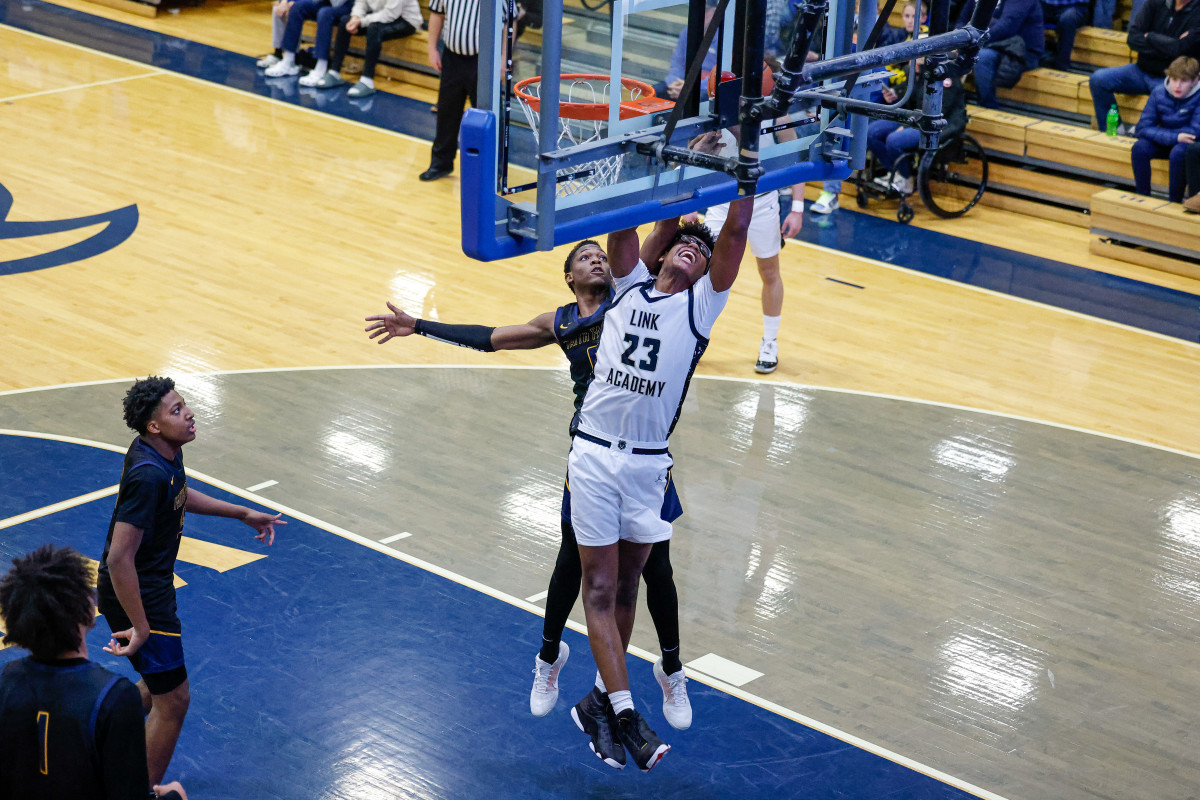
378,20
1067,16
893,35
1105,11
279,15
1161,33
1168,125
1017,42
301,11
678,69
779,17
889,140
1191,169
898,73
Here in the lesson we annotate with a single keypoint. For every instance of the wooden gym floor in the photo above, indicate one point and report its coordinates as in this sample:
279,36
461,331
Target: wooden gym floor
957,531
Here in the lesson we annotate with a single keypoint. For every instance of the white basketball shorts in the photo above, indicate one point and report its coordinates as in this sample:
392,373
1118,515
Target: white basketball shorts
763,235
616,494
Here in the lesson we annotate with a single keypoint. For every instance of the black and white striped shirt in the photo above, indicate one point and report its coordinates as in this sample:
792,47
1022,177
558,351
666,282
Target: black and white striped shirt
460,31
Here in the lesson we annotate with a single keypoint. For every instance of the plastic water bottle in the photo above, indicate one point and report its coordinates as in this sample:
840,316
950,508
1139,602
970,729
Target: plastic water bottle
1114,120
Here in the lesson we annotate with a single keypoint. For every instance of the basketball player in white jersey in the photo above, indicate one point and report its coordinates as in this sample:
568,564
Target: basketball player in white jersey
768,229
654,335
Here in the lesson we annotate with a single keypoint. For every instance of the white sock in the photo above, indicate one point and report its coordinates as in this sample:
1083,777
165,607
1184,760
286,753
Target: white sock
289,58
368,82
321,68
620,700
770,327
600,683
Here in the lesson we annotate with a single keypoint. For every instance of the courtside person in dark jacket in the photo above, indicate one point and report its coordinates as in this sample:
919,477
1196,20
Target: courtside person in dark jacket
1012,18
1163,31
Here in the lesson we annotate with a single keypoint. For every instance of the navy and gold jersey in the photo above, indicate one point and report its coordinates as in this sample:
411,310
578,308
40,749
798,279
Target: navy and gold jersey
152,497
70,729
579,337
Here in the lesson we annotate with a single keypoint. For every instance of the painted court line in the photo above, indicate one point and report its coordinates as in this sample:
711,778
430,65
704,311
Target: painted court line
809,386
462,580
213,84
724,669
1025,300
46,511
395,538
264,485
536,598
81,86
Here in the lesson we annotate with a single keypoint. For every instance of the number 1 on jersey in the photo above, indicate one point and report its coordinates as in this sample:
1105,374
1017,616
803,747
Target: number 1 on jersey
43,723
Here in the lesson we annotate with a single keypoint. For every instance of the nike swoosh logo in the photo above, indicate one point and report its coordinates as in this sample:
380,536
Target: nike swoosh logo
119,226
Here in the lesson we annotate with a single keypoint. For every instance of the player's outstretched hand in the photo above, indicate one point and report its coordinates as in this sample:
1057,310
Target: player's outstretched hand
167,788
133,638
394,324
264,523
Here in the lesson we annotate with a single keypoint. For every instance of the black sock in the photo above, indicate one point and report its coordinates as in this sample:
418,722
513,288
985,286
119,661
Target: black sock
279,52
549,652
671,662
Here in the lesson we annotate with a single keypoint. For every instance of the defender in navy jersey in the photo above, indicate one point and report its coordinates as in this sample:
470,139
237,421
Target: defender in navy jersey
136,574
576,327
654,335
69,729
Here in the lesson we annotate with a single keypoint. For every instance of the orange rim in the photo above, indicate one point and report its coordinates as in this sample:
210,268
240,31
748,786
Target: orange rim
588,111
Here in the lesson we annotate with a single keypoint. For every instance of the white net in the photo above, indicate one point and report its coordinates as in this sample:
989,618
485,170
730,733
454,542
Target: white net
580,89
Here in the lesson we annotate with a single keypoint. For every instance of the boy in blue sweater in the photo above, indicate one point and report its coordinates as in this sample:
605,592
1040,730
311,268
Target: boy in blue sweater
1169,123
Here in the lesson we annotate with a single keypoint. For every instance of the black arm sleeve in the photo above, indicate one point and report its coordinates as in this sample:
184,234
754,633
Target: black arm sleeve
121,740
476,337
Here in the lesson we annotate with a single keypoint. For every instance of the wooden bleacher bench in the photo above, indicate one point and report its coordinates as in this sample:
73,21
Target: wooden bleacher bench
1000,131
1101,47
1051,169
1051,89
1145,231
1087,150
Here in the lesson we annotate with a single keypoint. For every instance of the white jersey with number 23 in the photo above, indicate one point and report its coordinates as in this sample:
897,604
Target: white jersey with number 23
649,348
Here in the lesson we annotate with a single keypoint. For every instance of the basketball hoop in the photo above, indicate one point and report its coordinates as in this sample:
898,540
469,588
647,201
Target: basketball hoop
583,118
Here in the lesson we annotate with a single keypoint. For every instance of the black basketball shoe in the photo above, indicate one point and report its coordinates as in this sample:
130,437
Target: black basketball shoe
593,714
641,742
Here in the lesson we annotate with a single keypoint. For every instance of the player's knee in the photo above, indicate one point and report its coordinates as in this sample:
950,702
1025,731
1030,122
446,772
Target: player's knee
599,591
768,269
174,703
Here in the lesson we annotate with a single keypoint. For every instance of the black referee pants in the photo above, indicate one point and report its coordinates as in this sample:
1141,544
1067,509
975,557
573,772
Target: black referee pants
460,74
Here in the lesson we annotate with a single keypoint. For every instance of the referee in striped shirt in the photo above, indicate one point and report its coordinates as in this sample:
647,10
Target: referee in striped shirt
457,22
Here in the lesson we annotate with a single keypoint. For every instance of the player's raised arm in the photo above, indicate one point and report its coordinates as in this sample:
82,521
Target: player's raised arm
659,240
622,252
731,245
538,332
